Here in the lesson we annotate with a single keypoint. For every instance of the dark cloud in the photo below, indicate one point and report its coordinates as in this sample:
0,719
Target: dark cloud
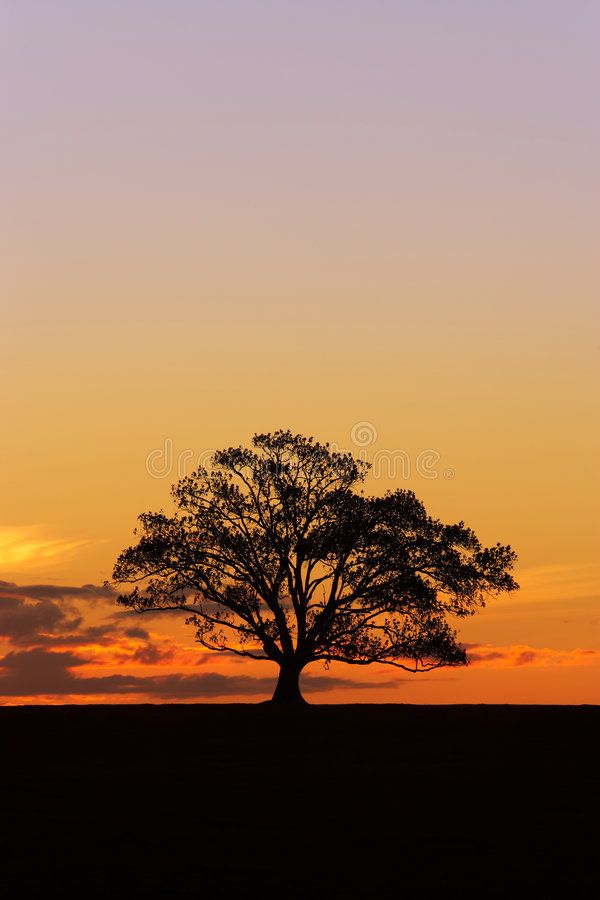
151,655
154,615
93,634
56,592
136,633
478,653
37,671
20,620
47,633
46,615
42,672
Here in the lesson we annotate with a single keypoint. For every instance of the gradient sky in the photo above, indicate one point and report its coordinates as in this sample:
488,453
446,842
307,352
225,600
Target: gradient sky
222,218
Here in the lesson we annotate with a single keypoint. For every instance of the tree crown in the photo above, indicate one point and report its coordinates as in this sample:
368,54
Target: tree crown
274,552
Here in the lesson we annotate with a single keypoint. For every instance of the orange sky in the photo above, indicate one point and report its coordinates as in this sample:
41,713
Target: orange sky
229,219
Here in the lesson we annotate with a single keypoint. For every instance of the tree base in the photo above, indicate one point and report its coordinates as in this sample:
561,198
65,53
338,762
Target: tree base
287,691
300,703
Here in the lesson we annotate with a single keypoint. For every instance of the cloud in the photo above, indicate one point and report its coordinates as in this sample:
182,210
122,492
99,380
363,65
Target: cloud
51,644
152,655
22,621
56,592
521,655
556,582
94,634
52,648
40,672
46,613
24,544
136,633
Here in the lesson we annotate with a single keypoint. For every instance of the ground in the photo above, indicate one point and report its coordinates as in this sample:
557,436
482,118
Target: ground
327,801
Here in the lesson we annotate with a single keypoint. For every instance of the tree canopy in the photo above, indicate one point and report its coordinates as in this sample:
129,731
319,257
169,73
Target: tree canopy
275,553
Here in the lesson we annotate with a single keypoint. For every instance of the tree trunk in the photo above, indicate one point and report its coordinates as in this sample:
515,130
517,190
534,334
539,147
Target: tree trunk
287,690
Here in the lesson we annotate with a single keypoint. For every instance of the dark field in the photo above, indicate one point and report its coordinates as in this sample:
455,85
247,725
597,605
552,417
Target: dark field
213,801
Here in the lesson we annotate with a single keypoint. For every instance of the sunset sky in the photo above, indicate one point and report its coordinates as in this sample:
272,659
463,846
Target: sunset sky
373,222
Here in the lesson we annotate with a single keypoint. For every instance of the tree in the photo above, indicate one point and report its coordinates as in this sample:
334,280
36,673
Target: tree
276,554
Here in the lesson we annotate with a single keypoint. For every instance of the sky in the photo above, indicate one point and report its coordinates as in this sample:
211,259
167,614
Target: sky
373,222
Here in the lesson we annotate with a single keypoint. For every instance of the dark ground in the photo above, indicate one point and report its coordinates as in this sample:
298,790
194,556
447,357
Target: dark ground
328,801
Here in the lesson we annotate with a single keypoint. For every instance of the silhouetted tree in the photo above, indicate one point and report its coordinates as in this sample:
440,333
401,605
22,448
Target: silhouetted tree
275,555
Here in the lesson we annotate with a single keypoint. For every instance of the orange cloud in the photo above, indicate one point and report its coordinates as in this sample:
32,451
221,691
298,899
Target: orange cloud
24,545
149,650
517,655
